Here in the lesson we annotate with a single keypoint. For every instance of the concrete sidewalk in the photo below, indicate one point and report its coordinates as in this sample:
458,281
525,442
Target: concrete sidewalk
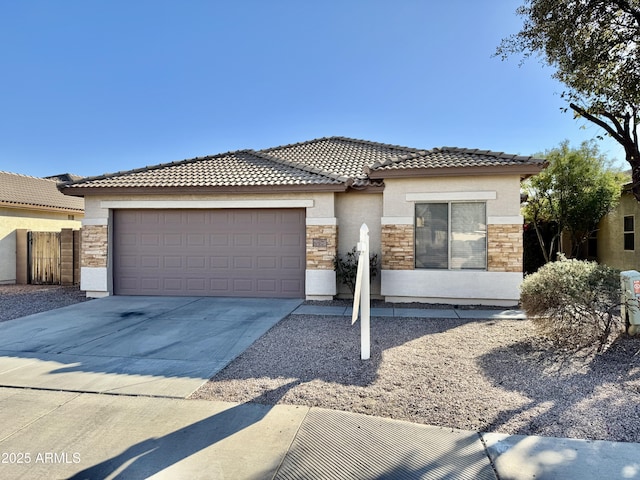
394,311
69,435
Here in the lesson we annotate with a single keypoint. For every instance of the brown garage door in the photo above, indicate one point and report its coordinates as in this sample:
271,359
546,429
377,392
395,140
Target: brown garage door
231,252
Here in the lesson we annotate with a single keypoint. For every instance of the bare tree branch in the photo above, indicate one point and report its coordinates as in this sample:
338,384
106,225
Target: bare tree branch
592,118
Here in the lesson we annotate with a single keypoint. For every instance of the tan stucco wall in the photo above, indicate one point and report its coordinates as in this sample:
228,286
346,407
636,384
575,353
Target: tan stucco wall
323,204
96,280
37,221
353,209
611,240
345,210
506,203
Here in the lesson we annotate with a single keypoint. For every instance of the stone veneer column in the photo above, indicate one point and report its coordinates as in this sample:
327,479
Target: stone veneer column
94,240
322,246
397,247
504,248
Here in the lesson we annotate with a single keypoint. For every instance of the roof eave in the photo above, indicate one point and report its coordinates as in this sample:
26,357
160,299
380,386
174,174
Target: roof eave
44,208
107,191
523,170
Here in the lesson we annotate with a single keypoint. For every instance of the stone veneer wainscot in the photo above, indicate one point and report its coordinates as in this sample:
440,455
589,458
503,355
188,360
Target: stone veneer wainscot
94,246
397,247
504,248
321,253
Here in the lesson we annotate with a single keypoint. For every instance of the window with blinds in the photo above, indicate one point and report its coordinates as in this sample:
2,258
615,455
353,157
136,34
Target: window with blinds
451,235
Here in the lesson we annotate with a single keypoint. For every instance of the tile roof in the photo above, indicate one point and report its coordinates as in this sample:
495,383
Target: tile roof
345,156
330,161
241,168
25,191
452,157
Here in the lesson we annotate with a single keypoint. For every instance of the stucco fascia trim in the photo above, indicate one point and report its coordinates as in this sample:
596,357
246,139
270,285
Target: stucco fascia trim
506,220
322,221
208,204
451,196
95,221
396,220
81,191
522,170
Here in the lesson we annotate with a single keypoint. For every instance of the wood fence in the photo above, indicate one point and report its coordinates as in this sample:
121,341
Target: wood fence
44,258
48,258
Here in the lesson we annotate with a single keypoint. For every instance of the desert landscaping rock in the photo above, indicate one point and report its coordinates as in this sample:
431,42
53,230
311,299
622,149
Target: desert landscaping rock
21,300
488,375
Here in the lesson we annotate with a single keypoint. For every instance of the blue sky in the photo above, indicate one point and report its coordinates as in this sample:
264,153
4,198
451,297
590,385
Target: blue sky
90,87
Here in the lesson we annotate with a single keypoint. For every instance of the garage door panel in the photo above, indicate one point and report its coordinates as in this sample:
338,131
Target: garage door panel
150,261
172,240
172,261
209,252
219,262
172,284
219,285
149,218
219,240
196,263
267,263
267,286
265,240
291,263
291,240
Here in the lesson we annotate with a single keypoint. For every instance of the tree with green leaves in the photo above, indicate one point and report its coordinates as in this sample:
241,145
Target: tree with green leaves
594,47
573,193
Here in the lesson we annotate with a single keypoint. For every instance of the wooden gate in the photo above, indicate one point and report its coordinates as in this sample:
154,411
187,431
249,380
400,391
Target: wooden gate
44,258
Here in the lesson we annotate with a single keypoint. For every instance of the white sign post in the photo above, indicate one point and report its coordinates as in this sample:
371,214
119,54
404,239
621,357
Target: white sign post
362,297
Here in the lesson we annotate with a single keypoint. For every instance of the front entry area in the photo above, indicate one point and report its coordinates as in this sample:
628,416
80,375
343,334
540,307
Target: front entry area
222,252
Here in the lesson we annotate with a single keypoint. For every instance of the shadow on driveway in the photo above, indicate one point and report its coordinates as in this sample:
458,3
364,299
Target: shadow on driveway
165,346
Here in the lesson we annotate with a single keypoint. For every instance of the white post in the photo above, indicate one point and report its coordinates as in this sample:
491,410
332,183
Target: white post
361,297
365,299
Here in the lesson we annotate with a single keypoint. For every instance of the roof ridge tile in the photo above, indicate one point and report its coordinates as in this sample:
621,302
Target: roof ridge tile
303,167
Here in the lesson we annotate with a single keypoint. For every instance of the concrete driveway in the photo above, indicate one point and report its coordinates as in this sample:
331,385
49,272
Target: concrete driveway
159,346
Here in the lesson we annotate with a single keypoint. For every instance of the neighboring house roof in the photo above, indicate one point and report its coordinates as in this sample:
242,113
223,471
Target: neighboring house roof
64,177
22,191
332,163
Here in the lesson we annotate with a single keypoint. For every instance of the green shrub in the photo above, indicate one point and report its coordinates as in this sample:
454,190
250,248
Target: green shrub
573,302
347,268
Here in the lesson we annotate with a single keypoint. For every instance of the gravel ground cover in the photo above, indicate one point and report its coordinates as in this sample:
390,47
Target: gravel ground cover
490,375
20,300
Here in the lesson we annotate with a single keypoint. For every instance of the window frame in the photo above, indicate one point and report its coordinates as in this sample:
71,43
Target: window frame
449,204
629,233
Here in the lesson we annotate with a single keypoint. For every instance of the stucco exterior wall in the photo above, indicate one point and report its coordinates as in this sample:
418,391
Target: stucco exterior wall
352,210
497,285
34,220
344,213
505,203
610,236
320,211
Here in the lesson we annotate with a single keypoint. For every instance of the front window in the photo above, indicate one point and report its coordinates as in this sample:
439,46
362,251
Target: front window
451,235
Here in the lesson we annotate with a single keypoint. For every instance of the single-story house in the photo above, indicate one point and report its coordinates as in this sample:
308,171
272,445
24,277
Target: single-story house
34,204
617,244
445,223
